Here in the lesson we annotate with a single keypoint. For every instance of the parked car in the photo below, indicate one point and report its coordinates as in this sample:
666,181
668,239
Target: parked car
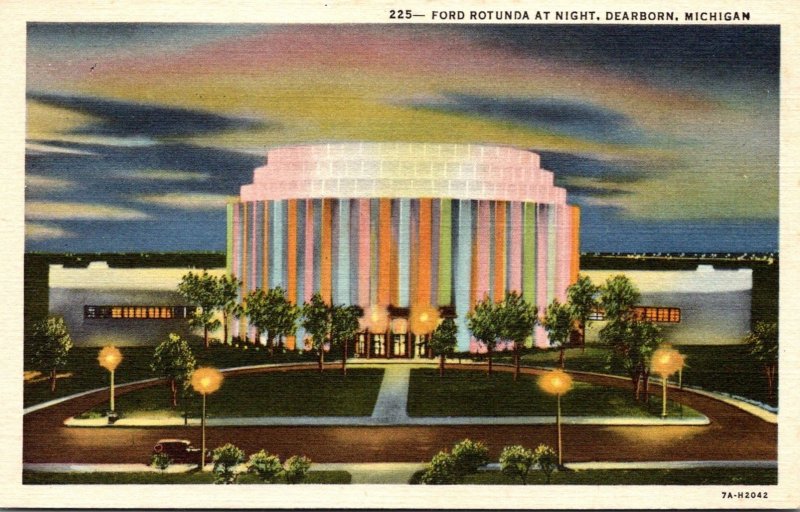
180,451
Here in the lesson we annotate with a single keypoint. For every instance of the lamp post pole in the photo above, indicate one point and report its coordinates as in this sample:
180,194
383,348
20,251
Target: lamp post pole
665,362
205,381
112,391
558,425
109,358
557,382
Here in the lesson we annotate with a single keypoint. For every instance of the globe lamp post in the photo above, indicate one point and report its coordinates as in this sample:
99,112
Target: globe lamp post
665,362
556,382
205,381
424,319
109,358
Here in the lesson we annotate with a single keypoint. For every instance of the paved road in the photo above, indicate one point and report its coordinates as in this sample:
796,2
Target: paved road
732,435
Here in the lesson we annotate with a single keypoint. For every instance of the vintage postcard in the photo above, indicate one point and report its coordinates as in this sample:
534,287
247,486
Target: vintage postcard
401,255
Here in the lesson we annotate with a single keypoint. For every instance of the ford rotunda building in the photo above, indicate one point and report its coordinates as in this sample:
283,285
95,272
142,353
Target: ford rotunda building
404,229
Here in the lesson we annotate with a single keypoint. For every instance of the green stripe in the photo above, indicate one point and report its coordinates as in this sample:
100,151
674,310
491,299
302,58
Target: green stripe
445,253
529,252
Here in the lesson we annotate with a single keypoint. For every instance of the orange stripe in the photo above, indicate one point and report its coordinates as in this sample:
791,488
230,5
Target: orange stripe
244,276
499,250
325,271
424,263
384,256
291,251
394,275
575,264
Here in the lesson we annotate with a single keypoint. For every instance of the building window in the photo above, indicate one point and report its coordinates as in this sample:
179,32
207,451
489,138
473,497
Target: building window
399,345
649,313
378,345
361,344
658,314
138,312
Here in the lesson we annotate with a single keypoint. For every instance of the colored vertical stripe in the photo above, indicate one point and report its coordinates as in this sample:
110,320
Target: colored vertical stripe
424,257
445,253
343,264
308,266
463,258
483,243
575,233
552,240
229,250
291,250
529,253
384,254
363,252
434,264
403,251
515,243
277,225
499,251
326,256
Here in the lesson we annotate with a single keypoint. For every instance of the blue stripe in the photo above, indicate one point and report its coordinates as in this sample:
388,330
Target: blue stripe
463,211
403,241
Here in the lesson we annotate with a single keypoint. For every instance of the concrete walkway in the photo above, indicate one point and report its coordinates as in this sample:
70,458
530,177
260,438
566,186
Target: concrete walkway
390,407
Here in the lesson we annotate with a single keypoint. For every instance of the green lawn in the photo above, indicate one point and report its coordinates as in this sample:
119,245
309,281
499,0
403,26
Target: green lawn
291,393
474,393
698,476
85,373
191,477
728,369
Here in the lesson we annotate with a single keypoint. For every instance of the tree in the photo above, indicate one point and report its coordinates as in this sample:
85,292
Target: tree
296,468
484,324
582,300
517,461
546,460
441,470
763,342
174,361
344,327
267,467
617,297
271,313
228,301
468,456
318,322
557,322
201,290
632,344
225,459
517,320
443,341
50,345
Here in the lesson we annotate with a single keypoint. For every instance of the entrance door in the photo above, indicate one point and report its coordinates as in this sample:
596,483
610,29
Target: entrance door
399,345
421,345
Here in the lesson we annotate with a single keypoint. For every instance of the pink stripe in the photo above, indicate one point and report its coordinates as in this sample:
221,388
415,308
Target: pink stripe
515,249
564,251
363,252
308,269
253,260
541,271
237,226
484,242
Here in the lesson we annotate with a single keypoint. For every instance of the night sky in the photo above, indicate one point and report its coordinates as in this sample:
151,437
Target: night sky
138,134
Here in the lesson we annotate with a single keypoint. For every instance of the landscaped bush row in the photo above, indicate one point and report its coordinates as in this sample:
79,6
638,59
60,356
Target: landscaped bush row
467,457
228,458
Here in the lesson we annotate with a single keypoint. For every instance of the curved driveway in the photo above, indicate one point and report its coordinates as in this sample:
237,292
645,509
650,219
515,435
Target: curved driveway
733,434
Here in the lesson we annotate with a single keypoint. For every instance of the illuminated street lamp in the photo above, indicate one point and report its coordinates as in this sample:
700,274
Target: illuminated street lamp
556,382
665,362
377,319
109,358
205,381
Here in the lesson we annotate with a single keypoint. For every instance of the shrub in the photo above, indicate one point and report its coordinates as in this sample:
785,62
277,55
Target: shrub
547,460
295,468
267,467
160,461
469,456
225,459
516,461
441,470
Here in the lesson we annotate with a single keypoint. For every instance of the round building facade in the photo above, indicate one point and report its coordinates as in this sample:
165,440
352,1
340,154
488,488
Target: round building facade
404,227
